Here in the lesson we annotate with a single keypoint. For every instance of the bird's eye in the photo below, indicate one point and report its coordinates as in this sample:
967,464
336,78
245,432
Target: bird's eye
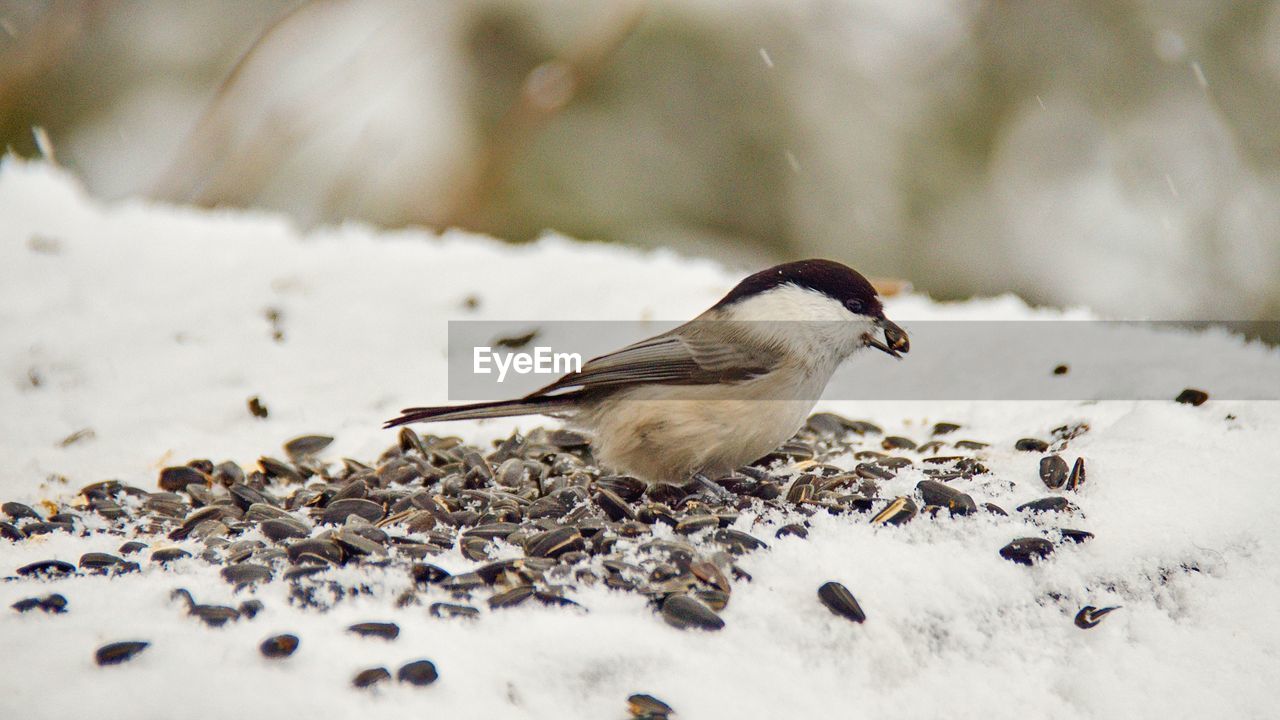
855,307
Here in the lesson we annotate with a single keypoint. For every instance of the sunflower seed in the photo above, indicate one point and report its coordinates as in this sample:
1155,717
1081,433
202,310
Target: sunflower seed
118,652
174,479
279,646
685,613
214,615
936,493
1025,551
246,574
384,630
1077,475
451,610
306,445
896,442
47,568
648,707
419,672
1089,616
1053,503
839,600
1053,471
1193,397
897,512
18,511
554,543
370,677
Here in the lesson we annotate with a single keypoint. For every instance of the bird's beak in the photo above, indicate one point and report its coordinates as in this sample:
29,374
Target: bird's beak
895,340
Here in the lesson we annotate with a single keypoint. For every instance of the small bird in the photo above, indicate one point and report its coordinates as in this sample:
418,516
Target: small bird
720,391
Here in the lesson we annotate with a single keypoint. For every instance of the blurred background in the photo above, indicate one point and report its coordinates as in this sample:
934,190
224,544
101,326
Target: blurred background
1123,155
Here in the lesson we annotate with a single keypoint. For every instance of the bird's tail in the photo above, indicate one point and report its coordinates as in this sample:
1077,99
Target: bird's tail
476,411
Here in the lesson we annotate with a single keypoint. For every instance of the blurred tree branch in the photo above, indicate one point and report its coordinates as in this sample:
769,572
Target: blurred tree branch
547,89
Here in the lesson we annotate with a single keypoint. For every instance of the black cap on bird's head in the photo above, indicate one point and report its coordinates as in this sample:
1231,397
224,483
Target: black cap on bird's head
839,282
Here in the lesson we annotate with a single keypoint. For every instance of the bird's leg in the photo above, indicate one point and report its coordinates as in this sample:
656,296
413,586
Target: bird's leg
711,487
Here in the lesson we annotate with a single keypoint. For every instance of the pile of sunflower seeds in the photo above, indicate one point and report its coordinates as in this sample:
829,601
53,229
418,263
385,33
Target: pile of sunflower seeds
534,513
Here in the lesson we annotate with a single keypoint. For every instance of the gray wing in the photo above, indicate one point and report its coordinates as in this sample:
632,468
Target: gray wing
698,353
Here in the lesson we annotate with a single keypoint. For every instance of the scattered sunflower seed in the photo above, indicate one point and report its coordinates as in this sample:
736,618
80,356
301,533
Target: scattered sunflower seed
839,600
1089,616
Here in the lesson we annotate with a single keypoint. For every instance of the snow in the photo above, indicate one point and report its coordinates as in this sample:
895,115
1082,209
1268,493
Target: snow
147,324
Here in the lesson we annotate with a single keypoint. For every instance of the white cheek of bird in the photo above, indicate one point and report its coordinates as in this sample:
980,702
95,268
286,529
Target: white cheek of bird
542,361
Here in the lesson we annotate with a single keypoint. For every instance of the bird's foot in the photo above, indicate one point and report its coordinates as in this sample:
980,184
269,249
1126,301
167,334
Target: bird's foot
710,486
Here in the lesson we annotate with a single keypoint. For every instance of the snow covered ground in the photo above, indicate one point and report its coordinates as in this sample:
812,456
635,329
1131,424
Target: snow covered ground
148,325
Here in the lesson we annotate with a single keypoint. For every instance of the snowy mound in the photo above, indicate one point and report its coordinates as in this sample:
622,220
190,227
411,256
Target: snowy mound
132,337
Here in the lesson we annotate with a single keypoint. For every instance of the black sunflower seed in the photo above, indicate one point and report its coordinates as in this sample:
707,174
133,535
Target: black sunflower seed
685,613
511,598
336,512
871,471
174,479
696,523
738,541
427,574
554,543
278,529
708,573
246,497
792,529
47,568
898,511
839,600
326,550
165,555
1077,475
1089,616
613,505
452,610
1075,536
648,707
418,672
245,573
279,646
936,493
214,615
370,677
306,445
1053,503
275,468
18,511
1031,445
1193,397
1025,551
384,630
118,652
99,562
826,424
1053,471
